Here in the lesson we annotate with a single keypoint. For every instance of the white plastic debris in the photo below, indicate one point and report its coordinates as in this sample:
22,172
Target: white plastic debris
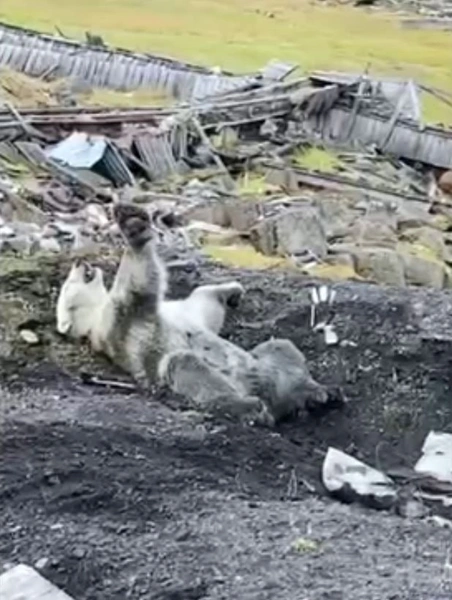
323,293
6,231
49,244
24,583
96,215
343,475
29,337
315,296
436,459
41,563
331,337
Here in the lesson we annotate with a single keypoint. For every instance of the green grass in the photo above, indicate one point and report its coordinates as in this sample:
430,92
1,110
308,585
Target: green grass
139,97
243,257
255,185
317,159
238,35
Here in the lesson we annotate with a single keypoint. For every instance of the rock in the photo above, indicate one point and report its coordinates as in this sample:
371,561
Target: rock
440,522
6,231
411,213
351,480
436,459
336,214
285,179
241,215
212,211
21,244
41,563
96,215
374,231
412,509
445,182
23,228
293,232
29,337
381,265
49,244
227,138
421,271
428,238
238,214
337,266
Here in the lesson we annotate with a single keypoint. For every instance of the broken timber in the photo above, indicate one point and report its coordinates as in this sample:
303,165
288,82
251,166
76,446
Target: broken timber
430,145
236,109
336,183
387,117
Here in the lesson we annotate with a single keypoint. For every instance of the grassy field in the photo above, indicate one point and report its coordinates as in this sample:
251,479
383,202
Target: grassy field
242,36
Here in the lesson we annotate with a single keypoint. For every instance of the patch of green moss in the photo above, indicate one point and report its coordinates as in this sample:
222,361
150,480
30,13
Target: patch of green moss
334,272
244,257
304,545
420,250
10,264
255,185
317,159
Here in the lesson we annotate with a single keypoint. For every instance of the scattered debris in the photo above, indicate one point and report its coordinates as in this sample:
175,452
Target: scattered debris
413,493
333,174
352,480
29,337
24,583
436,459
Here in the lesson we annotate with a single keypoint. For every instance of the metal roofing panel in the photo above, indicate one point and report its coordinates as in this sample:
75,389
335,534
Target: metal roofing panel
79,150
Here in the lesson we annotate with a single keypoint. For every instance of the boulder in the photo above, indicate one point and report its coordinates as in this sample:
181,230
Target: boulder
445,182
294,232
422,271
374,231
337,215
380,264
428,238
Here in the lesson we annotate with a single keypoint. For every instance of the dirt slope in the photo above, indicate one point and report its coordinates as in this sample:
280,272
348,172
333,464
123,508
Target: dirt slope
129,497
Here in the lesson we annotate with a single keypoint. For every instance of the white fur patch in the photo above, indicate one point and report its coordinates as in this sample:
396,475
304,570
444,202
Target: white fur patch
79,302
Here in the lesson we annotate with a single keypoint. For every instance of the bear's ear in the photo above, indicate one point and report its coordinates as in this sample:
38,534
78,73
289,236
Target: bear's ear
77,270
98,276
88,272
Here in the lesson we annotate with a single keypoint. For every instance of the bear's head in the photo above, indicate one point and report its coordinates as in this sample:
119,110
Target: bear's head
81,297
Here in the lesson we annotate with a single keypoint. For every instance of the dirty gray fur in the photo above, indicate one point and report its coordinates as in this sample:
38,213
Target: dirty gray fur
178,342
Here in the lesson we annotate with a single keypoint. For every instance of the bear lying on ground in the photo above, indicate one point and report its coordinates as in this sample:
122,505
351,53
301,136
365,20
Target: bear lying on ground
177,342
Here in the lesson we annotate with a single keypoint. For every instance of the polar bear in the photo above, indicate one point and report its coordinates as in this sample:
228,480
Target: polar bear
177,342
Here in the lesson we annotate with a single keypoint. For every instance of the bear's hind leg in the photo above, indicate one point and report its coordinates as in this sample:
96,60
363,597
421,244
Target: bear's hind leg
294,388
209,389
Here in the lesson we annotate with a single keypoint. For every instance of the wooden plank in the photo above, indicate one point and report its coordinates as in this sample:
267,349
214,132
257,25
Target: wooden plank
24,583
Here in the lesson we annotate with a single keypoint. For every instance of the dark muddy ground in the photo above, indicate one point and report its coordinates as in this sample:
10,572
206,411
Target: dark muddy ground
119,496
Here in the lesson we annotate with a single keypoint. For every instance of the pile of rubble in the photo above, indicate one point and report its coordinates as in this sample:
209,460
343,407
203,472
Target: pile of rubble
433,14
414,493
332,173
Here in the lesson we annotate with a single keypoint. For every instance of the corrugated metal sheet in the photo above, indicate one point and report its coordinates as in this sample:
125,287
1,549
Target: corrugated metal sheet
155,150
430,145
277,71
393,90
83,151
33,53
79,150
